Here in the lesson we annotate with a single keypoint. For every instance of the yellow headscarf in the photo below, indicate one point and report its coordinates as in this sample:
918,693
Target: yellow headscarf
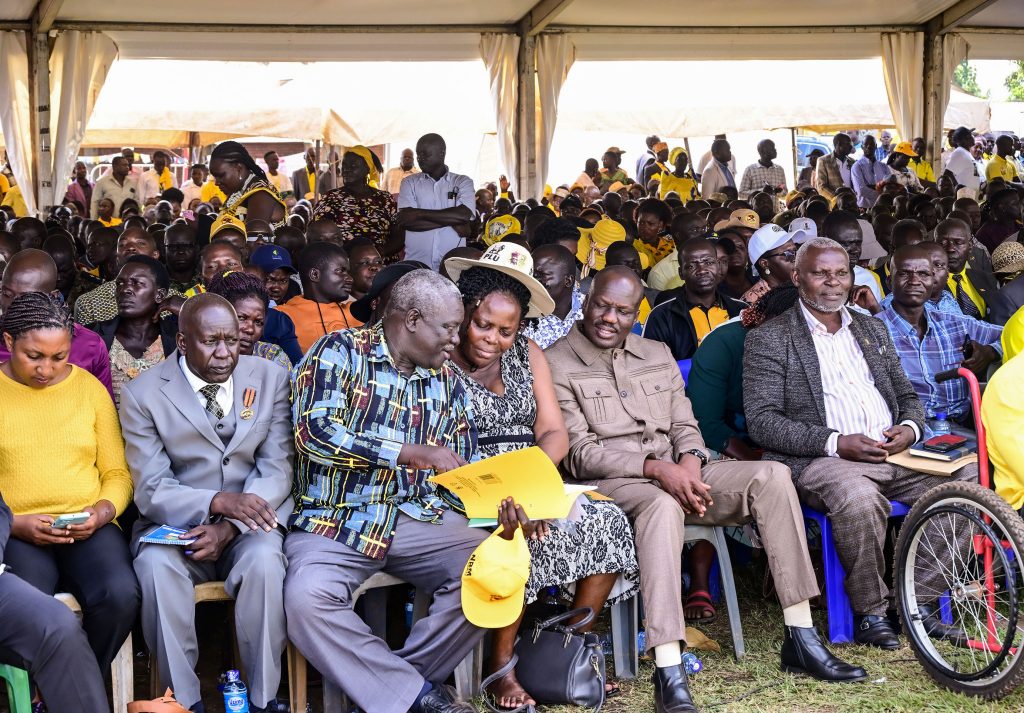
374,176
674,154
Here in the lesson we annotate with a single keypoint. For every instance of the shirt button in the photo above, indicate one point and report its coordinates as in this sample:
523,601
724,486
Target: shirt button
647,440
598,392
657,387
220,426
226,461
623,394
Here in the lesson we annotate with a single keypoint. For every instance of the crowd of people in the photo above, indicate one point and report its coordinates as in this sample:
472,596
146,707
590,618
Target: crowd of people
278,365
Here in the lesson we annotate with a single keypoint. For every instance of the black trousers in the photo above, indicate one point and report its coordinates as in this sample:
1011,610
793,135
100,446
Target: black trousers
43,636
98,571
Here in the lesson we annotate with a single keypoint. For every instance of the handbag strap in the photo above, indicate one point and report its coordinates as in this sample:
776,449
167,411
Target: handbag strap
558,618
497,676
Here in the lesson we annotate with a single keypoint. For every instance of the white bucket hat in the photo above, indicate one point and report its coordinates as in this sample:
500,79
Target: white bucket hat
515,261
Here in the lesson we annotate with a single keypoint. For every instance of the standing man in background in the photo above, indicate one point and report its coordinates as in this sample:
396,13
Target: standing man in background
393,177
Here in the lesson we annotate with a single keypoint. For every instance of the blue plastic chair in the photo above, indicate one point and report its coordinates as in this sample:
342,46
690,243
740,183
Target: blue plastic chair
684,368
840,614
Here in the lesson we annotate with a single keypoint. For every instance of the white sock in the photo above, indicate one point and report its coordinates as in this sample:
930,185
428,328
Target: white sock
798,615
666,655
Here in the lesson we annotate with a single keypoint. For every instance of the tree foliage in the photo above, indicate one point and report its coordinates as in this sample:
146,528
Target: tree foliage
965,77
1015,82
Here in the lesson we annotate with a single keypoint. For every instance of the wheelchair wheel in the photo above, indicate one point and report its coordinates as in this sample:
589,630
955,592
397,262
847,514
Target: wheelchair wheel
960,551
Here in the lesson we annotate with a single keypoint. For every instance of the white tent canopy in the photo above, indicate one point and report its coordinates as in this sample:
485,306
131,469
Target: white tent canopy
915,38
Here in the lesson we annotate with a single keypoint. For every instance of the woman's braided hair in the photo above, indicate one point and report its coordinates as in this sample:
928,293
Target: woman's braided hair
234,152
478,282
36,310
771,304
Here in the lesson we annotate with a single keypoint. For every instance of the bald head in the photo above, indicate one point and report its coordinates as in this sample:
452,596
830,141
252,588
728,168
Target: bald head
610,310
28,271
617,276
30,232
208,337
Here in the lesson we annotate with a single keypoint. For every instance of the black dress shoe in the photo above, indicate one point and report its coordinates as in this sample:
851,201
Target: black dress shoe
803,651
273,706
671,691
442,699
198,708
875,631
935,628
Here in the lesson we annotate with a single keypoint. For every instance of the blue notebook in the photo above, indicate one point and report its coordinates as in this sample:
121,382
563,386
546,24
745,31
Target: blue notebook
166,535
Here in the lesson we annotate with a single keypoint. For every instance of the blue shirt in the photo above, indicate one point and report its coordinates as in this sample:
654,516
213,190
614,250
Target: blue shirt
421,191
945,303
353,411
865,175
940,349
551,328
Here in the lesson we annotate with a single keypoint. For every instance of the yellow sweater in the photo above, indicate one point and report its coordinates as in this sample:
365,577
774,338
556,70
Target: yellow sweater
60,447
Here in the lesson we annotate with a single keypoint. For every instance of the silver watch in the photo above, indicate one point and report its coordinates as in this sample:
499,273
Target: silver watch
700,454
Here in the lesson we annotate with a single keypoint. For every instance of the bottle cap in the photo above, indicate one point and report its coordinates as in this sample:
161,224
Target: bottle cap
941,415
232,676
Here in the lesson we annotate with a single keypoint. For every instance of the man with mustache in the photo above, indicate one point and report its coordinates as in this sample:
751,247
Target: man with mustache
690,312
632,434
825,393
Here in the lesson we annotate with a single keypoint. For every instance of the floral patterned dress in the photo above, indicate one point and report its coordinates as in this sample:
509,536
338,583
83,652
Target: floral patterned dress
601,541
371,217
124,367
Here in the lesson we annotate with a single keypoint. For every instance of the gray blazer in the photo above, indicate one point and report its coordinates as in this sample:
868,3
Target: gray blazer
783,398
177,460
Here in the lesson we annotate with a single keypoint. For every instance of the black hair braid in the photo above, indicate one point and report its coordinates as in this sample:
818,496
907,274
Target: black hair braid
236,153
771,304
478,282
234,286
36,310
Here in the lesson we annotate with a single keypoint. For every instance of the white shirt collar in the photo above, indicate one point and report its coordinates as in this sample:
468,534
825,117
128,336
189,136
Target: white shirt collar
225,393
816,326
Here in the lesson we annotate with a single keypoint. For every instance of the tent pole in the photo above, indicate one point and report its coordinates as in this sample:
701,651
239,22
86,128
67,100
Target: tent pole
39,100
796,160
933,113
316,175
526,116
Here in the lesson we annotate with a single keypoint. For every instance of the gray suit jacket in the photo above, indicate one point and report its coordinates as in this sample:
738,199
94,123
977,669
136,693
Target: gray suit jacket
783,399
178,461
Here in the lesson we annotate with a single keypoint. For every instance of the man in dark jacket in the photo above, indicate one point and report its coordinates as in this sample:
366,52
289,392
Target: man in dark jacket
42,635
825,393
687,314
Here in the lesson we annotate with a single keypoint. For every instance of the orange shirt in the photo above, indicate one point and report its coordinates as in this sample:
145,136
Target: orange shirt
313,319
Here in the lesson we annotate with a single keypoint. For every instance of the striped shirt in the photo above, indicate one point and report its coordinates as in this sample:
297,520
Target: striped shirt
353,411
756,175
852,403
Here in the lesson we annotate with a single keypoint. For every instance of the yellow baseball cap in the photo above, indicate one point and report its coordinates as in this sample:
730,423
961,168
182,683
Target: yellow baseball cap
905,147
226,221
494,581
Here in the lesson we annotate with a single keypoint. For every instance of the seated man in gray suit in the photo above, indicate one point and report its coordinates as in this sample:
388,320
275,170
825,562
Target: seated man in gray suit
209,442
43,636
825,393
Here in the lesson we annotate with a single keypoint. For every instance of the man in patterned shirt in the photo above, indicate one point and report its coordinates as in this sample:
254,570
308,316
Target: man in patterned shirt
377,411
764,172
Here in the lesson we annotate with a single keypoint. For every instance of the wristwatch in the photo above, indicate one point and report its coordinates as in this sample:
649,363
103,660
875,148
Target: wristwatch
700,454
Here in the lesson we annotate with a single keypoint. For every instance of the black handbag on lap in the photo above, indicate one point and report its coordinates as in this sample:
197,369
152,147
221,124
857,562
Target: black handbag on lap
558,665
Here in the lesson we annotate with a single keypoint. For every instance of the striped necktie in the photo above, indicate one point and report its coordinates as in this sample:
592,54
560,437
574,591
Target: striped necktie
966,304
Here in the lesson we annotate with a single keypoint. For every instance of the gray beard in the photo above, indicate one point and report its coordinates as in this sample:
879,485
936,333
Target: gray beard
828,309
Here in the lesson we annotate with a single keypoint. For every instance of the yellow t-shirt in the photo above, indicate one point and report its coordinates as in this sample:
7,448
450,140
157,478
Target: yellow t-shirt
706,320
923,169
165,180
83,459
973,293
1002,410
686,187
5,185
1013,336
16,201
999,167
644,311
655,253
209,191
114,221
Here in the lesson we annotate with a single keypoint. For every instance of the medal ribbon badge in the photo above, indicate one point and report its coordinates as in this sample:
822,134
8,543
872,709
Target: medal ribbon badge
248,398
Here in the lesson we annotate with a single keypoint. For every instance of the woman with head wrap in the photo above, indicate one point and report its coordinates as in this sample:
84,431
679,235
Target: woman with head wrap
680,180
359,208
250,194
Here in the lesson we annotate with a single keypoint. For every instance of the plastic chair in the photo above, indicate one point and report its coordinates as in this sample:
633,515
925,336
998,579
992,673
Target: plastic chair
684,368
626,620
19,693
840,613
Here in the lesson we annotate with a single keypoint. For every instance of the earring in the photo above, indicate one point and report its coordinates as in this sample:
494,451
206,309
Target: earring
767,272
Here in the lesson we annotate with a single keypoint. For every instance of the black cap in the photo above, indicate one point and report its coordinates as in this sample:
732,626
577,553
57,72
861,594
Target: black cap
362,308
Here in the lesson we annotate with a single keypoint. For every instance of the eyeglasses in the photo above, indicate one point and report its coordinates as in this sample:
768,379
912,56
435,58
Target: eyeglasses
786,255
694,265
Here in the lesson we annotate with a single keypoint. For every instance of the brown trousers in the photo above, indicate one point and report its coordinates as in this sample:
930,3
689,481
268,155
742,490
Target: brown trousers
741,491
856,497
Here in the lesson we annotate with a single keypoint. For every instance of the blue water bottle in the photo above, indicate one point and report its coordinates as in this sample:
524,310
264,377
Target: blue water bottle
236,697
939,426
691,663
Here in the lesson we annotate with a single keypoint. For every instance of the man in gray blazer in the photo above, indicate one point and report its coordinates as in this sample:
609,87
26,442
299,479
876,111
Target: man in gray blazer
825,393
208,439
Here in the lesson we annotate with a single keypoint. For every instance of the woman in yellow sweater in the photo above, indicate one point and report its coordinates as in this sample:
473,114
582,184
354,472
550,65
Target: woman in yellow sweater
61,452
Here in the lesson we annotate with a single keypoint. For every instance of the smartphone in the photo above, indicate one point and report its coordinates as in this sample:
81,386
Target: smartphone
943,444
74,518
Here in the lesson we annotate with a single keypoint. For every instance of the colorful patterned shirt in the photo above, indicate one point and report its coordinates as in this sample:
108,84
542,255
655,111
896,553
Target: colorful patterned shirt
371,217
939,350
353,411
551,328
272,352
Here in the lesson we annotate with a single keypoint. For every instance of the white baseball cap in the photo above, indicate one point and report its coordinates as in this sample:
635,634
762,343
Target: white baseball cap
805,226
770,237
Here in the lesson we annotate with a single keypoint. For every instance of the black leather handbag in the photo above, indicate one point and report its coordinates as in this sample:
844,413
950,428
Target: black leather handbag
558,665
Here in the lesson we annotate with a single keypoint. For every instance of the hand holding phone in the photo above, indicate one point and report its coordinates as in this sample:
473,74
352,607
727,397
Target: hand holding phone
75,518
